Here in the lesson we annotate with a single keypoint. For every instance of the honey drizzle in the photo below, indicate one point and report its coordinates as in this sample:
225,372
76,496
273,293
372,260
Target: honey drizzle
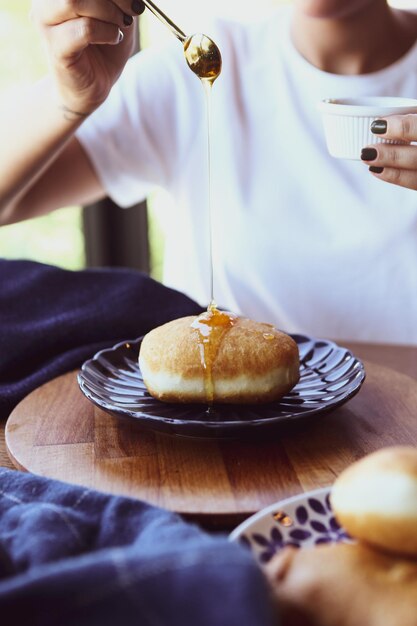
211,326
207,85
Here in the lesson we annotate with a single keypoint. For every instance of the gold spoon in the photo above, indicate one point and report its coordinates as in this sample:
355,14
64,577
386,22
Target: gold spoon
201,53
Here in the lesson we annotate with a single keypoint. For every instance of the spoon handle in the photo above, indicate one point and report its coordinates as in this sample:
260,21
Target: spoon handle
165,20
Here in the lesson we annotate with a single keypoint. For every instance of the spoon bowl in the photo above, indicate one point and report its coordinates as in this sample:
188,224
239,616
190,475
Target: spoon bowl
201,53
203,57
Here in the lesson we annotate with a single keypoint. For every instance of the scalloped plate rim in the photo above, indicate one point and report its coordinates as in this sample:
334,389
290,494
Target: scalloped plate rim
142,416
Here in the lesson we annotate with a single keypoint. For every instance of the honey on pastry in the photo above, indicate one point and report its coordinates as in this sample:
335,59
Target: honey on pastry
211,327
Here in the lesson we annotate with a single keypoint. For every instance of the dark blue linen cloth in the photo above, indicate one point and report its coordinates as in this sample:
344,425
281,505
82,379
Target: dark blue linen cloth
52,320
70,556
74,557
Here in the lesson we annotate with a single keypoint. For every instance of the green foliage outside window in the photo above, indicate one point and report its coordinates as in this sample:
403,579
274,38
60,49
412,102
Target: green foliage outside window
56,238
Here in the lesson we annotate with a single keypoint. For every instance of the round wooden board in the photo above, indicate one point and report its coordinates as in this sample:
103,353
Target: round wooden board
57,432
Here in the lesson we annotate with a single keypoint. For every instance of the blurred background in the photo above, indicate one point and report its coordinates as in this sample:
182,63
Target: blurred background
65,237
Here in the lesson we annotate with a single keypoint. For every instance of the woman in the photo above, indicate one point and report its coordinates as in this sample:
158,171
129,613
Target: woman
309,243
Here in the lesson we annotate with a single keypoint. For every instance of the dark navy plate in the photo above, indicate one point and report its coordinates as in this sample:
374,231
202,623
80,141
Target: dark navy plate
329,376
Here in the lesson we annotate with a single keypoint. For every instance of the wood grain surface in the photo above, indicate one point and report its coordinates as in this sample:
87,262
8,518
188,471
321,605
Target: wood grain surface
57,432
400,358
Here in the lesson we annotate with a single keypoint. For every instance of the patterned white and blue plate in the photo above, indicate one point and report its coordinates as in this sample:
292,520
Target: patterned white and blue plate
301,521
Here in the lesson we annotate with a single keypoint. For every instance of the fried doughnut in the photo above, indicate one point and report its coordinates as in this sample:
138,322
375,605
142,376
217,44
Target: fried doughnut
218,357
375,499
347,585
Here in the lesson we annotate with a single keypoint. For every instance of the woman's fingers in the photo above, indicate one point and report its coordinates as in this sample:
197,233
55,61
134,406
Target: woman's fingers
61,11
395,163
402,178
70,38
137,6
399,127
391,155
54,12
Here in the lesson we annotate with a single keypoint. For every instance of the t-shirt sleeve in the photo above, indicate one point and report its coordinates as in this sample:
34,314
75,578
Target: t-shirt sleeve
139,136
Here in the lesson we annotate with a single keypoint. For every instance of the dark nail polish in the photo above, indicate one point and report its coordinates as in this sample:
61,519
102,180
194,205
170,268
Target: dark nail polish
368,154
376,170
138,7
379,127
127,20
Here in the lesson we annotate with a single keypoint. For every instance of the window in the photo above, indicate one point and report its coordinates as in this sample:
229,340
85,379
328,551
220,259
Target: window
56,238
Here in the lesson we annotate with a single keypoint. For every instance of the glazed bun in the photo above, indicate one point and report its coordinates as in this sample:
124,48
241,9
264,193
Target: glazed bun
234,360
347,585
375,500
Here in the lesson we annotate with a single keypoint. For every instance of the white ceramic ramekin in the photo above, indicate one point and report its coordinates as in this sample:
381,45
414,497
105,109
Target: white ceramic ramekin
347,122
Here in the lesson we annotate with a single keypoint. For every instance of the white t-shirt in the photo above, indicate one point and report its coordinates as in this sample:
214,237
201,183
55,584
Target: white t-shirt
312,244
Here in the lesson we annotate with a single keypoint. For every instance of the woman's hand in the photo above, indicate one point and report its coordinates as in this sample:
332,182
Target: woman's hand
394,163
88,43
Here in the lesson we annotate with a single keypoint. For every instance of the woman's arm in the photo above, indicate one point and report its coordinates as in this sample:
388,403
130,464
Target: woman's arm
42,165
395,164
